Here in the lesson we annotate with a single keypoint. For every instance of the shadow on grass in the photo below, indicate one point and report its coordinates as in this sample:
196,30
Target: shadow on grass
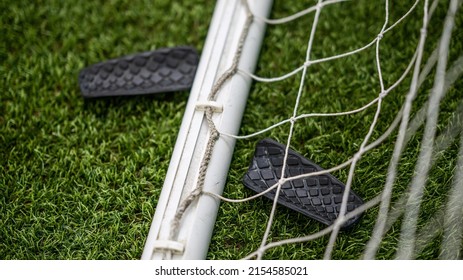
132,105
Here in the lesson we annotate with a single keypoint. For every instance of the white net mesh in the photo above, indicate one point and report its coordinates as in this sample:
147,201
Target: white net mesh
378,108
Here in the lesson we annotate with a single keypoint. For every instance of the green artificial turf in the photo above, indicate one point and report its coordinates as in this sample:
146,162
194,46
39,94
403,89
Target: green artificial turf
80,179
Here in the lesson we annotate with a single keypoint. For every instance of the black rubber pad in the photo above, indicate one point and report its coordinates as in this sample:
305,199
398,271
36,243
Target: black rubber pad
163,70
318,197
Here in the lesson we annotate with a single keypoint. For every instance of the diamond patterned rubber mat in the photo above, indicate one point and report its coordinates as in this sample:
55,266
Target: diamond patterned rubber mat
318,197
163,70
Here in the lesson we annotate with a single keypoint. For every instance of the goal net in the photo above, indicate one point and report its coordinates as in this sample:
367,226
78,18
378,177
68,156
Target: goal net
377,103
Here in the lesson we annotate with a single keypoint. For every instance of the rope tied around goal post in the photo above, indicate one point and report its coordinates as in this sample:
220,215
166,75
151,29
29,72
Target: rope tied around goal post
209,107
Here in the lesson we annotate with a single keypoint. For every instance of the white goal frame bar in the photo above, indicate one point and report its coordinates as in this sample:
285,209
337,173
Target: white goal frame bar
195,230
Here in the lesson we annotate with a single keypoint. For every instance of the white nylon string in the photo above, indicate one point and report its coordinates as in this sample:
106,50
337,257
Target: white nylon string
430,231
408,233
299,14
334,57
337,114
291,129
342,212
452,76
454,223
378,232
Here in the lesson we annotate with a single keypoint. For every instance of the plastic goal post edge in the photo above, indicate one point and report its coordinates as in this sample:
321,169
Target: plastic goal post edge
197,223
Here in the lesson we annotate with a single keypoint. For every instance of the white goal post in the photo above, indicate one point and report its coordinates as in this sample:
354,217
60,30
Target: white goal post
231,31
